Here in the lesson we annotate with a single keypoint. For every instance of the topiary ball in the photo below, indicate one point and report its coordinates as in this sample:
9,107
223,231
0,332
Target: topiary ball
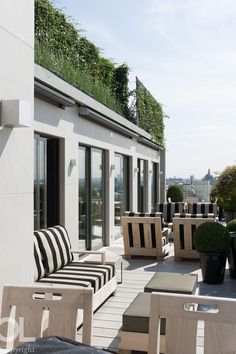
211,237
175,193
231,226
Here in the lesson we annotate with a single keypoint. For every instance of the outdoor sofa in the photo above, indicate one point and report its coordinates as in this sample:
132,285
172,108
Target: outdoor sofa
55,264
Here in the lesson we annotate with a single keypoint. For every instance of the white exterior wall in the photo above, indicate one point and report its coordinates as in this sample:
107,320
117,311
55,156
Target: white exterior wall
16,144
74,130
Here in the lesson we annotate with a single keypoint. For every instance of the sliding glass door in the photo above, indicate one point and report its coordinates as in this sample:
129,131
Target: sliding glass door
46,181
91,198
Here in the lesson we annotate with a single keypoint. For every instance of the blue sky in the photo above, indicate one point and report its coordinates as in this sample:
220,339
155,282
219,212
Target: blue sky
184,52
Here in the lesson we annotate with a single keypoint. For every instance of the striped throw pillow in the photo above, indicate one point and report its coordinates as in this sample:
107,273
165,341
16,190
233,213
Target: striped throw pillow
55,247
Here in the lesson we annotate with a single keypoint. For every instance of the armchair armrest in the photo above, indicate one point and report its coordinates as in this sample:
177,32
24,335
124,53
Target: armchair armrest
102,253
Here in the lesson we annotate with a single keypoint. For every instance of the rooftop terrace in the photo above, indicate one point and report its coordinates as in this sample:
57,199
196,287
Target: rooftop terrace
137,272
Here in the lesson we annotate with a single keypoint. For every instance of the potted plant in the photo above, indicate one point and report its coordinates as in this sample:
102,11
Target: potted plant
225,188
231,227
212,241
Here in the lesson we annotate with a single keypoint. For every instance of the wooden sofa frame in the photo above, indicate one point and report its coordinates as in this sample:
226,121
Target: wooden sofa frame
144,236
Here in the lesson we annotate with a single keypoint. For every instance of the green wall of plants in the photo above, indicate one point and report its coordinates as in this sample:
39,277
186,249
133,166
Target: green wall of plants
150,115
62,48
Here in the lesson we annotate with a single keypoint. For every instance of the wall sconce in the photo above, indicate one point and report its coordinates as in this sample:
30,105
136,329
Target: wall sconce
136,169
113,167
15,113
72,162
161,173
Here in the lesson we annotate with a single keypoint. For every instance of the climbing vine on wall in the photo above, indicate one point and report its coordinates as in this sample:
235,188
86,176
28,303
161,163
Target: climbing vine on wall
149,112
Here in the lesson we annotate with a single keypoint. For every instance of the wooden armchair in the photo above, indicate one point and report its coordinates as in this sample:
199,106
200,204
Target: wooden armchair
183,228
34,312
144,236
217,318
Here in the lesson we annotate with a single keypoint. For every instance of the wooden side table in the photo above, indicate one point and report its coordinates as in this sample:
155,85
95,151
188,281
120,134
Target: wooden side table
110,258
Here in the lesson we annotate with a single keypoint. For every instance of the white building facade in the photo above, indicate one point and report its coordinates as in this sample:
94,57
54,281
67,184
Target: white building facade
78,163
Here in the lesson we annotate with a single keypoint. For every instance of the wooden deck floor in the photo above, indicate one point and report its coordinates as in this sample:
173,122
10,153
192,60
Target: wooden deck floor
137,272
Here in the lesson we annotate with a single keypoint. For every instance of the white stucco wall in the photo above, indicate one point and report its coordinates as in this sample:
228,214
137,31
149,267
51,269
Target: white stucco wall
16,144
74,130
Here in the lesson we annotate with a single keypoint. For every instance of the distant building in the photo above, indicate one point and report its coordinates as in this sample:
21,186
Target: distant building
209,177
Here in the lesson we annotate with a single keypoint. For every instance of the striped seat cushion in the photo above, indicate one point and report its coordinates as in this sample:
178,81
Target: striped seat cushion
202,208
82,274
152,215
192,216
169,209
55,247
132,213
39,270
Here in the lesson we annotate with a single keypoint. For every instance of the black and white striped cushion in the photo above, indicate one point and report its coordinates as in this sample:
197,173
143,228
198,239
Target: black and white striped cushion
194,216
152,215
81,274
132,213
169,209
39,270
202,208
141,235
55,248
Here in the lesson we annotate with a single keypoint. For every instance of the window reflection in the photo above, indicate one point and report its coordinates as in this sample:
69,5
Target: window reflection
141,185
91,197
153,187
83,192
121,198
96,197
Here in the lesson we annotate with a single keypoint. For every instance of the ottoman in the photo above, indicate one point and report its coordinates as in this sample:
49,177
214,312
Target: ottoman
135,323
165,282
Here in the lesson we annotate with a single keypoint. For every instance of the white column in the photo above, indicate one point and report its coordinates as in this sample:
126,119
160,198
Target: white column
16,144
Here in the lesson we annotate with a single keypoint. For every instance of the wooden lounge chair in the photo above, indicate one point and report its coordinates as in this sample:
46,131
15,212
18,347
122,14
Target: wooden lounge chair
39,311
183,228
144,236
217,318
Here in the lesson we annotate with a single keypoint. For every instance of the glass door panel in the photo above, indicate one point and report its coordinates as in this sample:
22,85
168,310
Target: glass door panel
91,198
153,187
83,193
141,186
121,197
40,182
97,198
46,182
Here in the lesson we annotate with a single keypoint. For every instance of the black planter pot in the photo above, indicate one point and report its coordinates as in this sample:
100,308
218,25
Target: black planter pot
232,256
213,267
